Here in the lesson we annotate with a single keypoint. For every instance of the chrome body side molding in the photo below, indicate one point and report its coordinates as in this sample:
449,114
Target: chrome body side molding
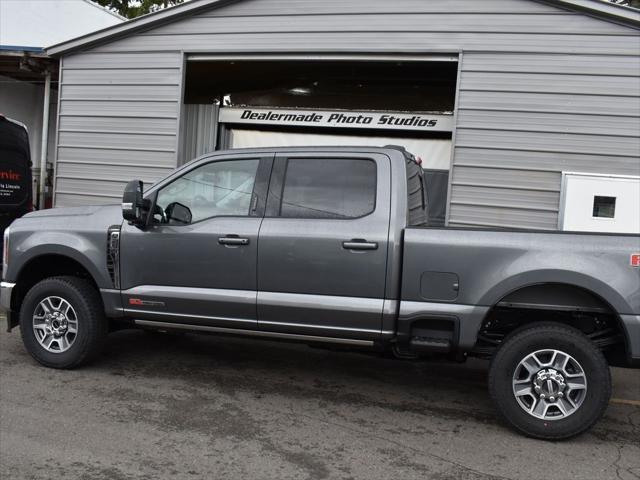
255,333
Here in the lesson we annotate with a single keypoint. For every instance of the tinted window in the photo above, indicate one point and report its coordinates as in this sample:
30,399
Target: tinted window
214,189
329,188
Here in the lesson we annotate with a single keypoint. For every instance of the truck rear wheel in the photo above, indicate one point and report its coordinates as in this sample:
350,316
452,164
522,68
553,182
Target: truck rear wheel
62,322
549,381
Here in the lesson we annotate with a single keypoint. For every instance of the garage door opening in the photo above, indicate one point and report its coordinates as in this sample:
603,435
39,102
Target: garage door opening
364,102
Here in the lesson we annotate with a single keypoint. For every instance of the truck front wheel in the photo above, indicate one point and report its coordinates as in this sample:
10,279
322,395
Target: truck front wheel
549,381
62,322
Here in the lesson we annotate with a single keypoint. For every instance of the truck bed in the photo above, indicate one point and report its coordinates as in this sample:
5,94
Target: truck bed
463,273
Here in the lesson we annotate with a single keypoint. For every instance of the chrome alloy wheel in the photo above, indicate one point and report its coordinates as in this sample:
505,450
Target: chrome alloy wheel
55,324
549,384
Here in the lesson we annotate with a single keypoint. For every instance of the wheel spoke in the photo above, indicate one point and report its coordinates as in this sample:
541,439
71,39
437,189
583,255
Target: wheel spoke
46,306
559,361
532,365
564,407
540,408
578,382
570,401
522,381
522,390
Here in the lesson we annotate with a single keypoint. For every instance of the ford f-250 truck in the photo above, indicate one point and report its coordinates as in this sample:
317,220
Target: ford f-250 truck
331,246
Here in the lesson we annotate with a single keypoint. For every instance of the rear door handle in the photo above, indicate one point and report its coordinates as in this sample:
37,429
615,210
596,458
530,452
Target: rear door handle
233,240
359,244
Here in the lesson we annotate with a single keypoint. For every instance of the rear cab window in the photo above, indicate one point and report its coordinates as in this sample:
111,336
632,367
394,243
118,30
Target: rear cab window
322,188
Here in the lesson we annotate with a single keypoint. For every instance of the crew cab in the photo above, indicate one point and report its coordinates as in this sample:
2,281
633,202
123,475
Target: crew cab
332,246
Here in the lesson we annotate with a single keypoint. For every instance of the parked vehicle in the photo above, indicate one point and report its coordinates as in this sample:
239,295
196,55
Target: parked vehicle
331,246
15,171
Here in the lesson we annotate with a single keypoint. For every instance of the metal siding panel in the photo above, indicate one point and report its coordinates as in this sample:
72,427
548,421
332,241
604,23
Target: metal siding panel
379,41
115,108
110,172
552,162
118,124
551,142
548,102
567,64
76,199
505,178
116,112
546,122
98,188
565,116
124,158
405,21
119,76
505,217
516,198
160,93
546,83
164,142
91,59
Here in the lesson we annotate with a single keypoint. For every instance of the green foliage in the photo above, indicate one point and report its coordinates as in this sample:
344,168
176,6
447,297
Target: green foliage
135,8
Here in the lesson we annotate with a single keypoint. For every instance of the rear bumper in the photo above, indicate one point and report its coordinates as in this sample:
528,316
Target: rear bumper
632,327
6,289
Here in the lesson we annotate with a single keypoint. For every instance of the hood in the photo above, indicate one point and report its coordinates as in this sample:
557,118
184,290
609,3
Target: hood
73,211
70,219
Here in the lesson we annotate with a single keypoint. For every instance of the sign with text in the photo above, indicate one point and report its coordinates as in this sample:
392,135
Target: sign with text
15,167
338,119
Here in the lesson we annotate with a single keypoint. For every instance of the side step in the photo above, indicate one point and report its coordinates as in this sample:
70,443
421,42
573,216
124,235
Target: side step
429,344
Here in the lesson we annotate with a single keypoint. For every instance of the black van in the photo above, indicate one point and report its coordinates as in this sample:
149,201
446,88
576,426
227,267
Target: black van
15,172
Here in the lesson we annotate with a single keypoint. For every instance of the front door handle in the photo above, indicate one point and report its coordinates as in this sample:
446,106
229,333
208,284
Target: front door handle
234,240
359,244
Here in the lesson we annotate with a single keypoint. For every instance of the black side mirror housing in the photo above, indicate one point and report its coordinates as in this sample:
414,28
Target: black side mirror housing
132,202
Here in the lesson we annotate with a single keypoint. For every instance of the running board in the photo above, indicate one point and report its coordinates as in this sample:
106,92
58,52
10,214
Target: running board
254,333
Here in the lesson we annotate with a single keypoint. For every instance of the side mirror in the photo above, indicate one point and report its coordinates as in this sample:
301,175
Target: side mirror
178,213
132,202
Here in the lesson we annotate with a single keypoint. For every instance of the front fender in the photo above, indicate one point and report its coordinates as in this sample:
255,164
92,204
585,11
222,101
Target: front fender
85,249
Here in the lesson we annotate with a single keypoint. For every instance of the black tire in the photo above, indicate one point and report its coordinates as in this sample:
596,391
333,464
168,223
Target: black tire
528,340
92,324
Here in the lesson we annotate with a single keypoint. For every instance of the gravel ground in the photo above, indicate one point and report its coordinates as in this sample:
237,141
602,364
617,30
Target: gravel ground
155,406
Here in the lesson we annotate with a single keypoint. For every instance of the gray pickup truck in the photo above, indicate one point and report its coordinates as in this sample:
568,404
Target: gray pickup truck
331,246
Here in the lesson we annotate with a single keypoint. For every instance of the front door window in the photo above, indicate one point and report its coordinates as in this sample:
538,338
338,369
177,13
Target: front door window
216,189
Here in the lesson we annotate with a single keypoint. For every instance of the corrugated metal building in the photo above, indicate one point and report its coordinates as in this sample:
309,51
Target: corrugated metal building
531,89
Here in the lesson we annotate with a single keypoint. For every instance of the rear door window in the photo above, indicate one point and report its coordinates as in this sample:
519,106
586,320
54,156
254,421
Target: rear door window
328,188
